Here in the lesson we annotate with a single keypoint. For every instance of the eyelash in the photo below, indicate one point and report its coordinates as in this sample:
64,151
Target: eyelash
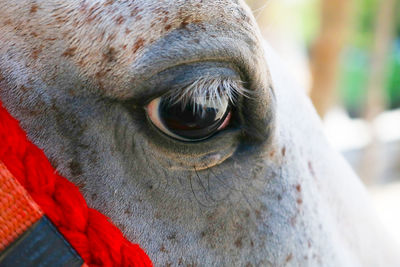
212,88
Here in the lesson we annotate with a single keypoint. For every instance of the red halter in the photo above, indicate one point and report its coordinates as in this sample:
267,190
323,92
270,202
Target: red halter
30,187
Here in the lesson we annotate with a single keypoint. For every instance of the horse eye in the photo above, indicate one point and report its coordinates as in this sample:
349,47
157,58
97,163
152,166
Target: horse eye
193,120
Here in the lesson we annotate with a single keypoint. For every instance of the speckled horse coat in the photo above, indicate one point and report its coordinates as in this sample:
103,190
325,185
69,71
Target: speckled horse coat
268,192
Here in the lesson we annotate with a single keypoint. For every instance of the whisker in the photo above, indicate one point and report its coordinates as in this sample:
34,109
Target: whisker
195,196
207,193
258,11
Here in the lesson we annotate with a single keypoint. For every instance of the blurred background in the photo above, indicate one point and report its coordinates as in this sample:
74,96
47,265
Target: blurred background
346,55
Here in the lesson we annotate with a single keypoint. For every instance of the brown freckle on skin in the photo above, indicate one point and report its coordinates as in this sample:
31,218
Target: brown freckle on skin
120,20
167,27
81,185
139,43
171,236
184,22
34,34
239,243
100,74
298,188
19,28
165,20
110,55
23,88
134,12
75,168
157,215
35,53
69,52
162,249
299,201
272,153
138,18
128,212
81,63
211,217
289,257
100,85
34,9
203,234
109,2
251,243
61,20
65,34
127,31
283,151
94,196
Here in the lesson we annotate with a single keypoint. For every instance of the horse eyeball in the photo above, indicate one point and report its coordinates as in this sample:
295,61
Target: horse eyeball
193,120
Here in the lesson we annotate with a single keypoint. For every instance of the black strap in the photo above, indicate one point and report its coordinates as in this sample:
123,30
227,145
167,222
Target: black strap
40,246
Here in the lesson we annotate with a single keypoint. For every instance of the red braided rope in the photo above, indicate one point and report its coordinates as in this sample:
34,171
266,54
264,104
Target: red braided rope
91,233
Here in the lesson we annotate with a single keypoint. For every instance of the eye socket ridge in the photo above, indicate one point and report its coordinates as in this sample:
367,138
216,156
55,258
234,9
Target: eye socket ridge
197,111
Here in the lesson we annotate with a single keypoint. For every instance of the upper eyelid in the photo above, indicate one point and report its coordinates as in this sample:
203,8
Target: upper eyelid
174,80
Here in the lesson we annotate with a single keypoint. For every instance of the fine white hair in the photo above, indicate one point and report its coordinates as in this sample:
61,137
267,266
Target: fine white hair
216,91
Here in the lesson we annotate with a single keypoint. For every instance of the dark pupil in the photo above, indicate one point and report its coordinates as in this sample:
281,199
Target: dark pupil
193,121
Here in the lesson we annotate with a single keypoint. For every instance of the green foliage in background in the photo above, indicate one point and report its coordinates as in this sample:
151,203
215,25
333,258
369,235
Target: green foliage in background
393,83
310,20
357,58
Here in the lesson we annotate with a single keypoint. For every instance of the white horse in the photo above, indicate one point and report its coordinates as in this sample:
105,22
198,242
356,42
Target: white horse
177,124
